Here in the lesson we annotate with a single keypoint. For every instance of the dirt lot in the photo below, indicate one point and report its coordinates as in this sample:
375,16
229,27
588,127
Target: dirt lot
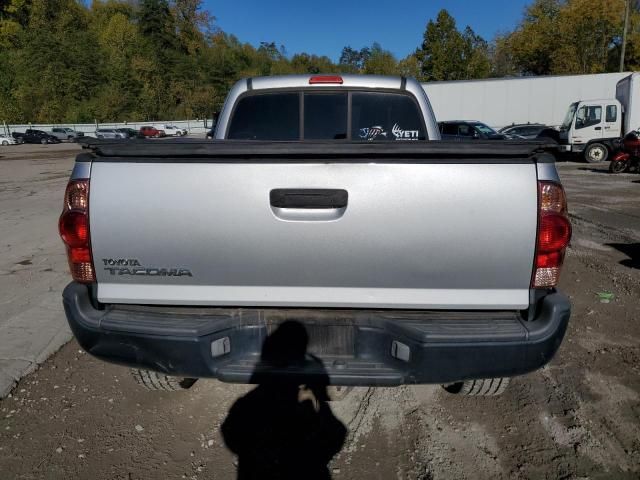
579,417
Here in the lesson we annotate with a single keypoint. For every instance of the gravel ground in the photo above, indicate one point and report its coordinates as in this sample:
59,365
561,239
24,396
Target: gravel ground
579,417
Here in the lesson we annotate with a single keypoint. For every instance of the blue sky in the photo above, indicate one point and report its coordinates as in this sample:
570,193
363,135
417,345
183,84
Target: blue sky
324,27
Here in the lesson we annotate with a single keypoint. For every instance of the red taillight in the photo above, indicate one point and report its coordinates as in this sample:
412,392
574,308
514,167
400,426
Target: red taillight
325,79
74,230
554,233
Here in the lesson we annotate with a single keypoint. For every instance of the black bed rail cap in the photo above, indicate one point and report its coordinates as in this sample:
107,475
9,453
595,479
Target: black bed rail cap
210,150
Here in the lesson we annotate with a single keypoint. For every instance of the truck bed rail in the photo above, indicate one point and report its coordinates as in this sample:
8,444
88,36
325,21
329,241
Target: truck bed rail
193,150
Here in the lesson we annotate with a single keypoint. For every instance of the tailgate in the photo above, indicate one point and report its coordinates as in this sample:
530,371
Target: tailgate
441,235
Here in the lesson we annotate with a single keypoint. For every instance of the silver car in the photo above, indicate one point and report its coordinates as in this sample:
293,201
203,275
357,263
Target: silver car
7,140
109,133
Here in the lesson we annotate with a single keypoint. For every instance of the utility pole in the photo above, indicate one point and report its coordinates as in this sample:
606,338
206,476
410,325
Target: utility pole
627,11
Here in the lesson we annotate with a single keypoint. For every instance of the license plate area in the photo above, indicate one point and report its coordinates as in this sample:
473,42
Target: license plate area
328,335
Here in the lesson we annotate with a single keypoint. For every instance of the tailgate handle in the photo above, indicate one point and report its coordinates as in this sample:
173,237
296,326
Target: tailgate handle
308,198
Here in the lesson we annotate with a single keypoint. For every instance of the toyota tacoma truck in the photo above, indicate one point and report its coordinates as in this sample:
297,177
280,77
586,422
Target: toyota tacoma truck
332,202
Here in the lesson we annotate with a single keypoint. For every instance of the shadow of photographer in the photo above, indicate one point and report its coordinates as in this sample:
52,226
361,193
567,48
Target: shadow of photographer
284,428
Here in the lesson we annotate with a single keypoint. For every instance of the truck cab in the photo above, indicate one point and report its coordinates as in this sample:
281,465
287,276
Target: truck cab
593,127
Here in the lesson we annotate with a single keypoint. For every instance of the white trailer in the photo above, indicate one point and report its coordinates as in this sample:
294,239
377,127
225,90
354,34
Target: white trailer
499,102
589,126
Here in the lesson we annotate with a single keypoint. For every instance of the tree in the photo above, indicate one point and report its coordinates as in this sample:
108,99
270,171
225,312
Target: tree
447,54
192,23
353,61
535,40
305,63
476,55
380,61
157,24
410,67
566,36
589,29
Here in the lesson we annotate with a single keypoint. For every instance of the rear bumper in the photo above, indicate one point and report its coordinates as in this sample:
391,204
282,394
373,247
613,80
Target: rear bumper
349,347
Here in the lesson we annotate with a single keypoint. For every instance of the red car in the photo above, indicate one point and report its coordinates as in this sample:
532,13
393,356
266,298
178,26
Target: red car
151,132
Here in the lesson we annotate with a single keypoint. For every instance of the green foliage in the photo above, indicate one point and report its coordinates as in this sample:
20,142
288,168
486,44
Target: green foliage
567,37
380,62
352,61
448,54
115,60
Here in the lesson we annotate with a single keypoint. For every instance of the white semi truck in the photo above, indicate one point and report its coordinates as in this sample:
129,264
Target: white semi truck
591,111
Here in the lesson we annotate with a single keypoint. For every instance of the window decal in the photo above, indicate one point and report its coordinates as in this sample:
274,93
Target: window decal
371,133
401,134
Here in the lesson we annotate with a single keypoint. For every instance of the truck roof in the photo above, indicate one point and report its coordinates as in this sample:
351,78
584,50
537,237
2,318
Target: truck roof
599,100
348,80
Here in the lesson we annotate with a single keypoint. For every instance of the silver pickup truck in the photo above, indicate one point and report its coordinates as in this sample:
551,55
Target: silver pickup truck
329,202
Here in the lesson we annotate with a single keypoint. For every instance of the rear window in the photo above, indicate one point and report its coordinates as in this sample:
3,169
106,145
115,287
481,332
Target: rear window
385,116
271,116
324,115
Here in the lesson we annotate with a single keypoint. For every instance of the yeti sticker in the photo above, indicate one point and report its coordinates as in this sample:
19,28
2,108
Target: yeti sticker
371,133
401,134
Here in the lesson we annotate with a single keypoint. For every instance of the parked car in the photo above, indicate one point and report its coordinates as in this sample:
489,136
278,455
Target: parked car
8,140
109,133
385,255
149,131
171,130
523,130
468,130
35,136
129,132
65,133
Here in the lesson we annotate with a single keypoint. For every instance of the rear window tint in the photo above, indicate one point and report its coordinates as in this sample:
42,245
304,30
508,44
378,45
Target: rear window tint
271,116
385,117
325,116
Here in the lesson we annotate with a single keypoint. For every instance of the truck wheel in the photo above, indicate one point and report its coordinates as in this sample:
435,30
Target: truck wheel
157,381
596,152
486,387
44,141
5,143
618,167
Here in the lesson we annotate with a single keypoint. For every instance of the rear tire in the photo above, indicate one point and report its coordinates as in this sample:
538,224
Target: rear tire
44,141
5,143
484,387
618,167
596,152
155,381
